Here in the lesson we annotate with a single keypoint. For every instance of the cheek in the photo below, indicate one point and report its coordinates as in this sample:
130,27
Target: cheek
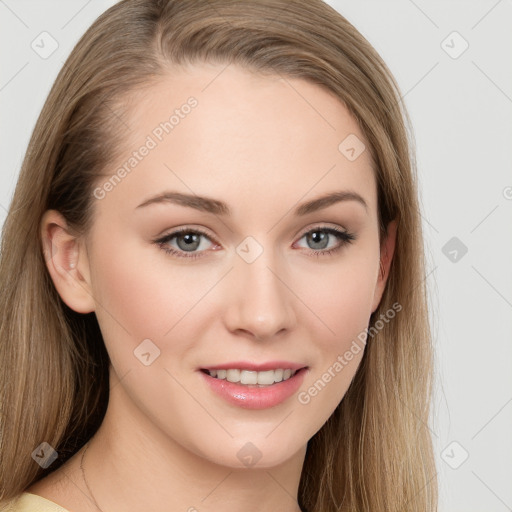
130,297
342,306
140,294
340,297
134,297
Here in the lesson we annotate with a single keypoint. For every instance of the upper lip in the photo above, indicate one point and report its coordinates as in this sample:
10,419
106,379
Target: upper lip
257,367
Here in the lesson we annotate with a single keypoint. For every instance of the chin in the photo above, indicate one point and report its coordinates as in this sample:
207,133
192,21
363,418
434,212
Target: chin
260,453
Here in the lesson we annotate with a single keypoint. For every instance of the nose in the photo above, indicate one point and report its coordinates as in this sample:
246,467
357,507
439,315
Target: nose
259,302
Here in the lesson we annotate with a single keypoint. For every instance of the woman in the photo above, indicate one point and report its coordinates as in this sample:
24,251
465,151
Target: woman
220,301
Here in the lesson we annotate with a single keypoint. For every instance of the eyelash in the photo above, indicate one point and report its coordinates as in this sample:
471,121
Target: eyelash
343,236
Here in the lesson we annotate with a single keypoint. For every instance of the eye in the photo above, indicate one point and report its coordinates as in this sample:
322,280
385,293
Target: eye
187,240
318,240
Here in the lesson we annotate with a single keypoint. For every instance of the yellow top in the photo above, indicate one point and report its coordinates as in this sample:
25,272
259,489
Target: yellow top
28,502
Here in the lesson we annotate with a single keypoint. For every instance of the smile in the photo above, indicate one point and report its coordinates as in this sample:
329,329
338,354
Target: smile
248,377
253,389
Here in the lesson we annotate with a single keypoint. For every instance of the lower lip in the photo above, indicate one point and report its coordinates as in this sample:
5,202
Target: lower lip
254,397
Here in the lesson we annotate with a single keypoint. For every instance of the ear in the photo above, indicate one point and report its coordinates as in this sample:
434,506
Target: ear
387,249
67,262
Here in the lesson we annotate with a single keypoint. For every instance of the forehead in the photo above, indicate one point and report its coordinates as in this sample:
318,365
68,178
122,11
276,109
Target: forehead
221,130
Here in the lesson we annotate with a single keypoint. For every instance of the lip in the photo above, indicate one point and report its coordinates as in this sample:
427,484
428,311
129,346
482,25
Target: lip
252,396
256,367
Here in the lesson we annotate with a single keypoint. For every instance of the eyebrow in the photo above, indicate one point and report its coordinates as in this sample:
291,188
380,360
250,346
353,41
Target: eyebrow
217,207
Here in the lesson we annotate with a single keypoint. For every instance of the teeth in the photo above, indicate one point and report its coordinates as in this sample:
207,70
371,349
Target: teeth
233,375
264,378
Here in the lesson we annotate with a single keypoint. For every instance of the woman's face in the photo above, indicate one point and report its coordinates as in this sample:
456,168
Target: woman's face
256,277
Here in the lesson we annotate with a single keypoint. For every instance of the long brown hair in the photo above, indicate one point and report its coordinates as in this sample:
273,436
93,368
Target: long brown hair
375,451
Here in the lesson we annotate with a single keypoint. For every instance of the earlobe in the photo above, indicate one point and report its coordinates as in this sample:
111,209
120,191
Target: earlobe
386,256
67,263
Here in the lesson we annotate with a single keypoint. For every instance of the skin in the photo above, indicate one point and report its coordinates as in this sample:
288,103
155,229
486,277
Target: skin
263,145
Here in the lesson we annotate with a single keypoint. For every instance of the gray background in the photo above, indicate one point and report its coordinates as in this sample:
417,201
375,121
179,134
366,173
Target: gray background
460,105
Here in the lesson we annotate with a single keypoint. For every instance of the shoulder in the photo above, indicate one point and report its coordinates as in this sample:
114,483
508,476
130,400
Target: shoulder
28,502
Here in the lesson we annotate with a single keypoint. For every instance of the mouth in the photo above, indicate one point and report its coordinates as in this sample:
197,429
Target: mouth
253,378
252,386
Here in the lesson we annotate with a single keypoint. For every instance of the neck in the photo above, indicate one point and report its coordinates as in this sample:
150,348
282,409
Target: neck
132,465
